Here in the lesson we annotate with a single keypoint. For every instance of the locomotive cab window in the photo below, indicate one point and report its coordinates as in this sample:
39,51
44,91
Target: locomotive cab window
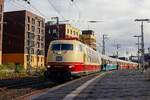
62,47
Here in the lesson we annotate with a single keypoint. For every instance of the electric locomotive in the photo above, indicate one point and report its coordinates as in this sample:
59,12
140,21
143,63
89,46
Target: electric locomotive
71,58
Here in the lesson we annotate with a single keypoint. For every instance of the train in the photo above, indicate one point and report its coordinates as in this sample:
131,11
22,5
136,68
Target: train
71,58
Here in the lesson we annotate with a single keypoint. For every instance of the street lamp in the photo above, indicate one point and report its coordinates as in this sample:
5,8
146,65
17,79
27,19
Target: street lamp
142,39
138,36
93,21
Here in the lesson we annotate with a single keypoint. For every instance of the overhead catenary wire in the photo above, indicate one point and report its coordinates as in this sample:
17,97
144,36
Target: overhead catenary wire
15,4
32,6
39,11
71,3
58,12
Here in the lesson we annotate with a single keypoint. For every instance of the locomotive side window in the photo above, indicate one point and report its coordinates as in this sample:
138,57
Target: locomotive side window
80,48
62,47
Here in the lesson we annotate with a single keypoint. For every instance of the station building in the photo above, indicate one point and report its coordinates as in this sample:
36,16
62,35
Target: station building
1,27
24,39
61,31
88,38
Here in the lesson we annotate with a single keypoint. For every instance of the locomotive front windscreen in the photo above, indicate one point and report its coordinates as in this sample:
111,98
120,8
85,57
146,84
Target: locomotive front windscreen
62,47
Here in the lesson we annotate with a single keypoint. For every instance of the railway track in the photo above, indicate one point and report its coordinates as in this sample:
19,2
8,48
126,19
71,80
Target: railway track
12,89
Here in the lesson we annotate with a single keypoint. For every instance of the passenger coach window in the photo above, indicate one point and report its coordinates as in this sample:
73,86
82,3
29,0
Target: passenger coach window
62,47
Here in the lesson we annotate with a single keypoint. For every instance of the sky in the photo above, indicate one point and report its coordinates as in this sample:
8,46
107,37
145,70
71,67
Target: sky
116,16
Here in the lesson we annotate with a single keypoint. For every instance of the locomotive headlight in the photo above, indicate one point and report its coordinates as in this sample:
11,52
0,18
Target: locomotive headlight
71,66
48,66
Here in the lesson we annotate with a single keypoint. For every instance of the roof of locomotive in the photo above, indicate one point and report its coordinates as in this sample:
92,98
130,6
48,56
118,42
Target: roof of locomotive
65,41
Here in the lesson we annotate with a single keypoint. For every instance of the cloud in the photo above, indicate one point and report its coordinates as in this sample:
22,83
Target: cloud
118,17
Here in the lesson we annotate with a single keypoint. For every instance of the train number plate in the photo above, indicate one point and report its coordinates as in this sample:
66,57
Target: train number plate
59,58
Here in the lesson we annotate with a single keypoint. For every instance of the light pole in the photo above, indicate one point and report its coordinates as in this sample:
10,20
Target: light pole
142,39
104,38
138,36
117,47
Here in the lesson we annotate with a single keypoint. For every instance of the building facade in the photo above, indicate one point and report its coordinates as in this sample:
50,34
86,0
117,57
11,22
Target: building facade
61,31
1,27
88,38
24,39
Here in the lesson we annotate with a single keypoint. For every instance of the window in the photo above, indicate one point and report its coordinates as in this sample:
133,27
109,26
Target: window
28,57
28,27
62,47
30,35
42,31
1,8
0,17
38,52
32,51
27,50
0,27
39,23
71,31
32,58
42,38
38,59
43,24
68,31
30,43
38,44
49,31
42,45
28,19
33,28
54,31
42,52
77,33
39,31
38,37
41,59
33,21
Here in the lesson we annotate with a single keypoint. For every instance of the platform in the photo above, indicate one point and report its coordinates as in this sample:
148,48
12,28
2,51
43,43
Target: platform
117,85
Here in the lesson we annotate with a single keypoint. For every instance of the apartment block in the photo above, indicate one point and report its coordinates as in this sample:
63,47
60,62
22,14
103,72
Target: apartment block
88,38
24,39
1,27
61,31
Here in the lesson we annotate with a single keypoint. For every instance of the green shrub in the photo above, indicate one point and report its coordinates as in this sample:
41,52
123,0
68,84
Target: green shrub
19,69
11,67
8,66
